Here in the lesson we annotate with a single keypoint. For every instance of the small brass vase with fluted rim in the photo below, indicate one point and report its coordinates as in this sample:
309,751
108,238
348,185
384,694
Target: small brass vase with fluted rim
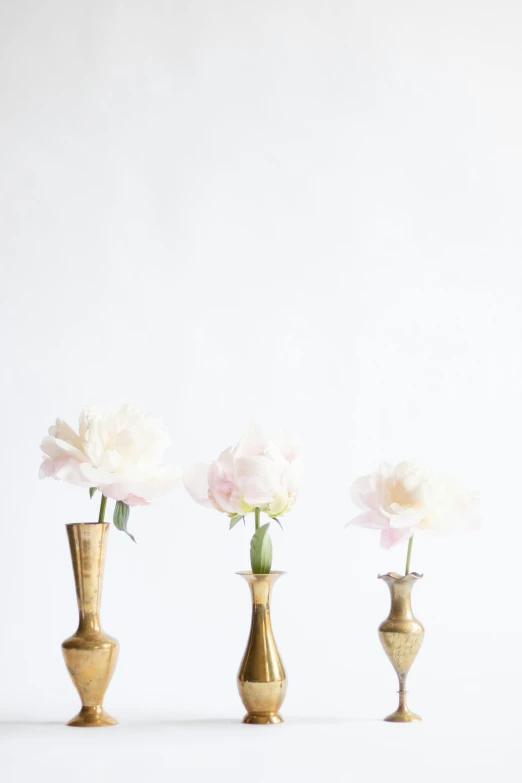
90,654
401,636
261,679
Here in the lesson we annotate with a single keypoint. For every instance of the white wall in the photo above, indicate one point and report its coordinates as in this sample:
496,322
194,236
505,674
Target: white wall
303,213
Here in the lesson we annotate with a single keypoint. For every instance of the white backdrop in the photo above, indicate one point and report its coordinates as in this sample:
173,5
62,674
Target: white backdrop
302,213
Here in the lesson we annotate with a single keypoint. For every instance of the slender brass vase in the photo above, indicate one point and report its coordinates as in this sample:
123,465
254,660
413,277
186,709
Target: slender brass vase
261,678
90,654
401,635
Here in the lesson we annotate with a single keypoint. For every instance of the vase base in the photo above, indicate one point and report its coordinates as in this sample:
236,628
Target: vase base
92,717
263,718
403,716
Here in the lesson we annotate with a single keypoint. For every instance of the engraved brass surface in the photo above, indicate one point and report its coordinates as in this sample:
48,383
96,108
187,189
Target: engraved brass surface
401,636
90,654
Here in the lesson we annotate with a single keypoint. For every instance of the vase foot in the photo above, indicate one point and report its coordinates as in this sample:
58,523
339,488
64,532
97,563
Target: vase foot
262,718
92,717
403,716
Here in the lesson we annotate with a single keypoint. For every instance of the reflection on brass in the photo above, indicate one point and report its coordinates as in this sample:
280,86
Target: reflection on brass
261,678
90,655
401,635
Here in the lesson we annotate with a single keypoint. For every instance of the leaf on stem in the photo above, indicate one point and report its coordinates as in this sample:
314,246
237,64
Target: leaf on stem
235,519
261,551
278,522
121,517
92,490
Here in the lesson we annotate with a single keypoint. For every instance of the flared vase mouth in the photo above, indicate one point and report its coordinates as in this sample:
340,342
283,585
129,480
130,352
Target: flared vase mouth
393,576
260,576
85,524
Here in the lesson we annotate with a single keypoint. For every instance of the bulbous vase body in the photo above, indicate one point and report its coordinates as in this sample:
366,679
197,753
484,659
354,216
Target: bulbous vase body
401,635
261,678
90,654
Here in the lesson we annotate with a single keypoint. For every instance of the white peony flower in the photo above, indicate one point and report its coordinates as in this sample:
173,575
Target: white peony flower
259,472
402,499
117,451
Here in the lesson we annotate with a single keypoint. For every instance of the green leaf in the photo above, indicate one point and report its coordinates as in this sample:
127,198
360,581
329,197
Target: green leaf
235,519
261,551
121,517
278,522
92,490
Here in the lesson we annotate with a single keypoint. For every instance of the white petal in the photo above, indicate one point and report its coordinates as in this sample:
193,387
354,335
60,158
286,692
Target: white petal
195,481
406,517
292,477
363,493
55,448
63,431
252,444
256,480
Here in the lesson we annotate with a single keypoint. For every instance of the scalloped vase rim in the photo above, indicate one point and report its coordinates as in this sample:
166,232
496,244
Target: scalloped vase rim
397,577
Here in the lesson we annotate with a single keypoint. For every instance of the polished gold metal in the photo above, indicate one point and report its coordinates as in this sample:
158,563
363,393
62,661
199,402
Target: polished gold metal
90,654
401,635
261,678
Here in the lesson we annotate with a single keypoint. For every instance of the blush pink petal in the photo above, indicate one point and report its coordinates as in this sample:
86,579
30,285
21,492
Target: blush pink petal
392,536
363,493
256,479
252,444
371,519
292,477
50,467
195,481
115,491
221,488
134,500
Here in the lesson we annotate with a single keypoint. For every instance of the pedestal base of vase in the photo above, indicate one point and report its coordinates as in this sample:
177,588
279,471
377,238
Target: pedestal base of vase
92,716
403,714
263,719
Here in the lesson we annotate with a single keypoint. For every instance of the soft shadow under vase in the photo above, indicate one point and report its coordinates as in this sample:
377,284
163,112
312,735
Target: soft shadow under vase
261,678
90,654
401,636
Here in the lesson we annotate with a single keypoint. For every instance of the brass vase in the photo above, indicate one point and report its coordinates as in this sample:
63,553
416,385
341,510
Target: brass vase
90,655
401,635
261,678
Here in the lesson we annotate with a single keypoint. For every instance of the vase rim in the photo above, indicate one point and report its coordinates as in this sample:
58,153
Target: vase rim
250,573
77,524
400,577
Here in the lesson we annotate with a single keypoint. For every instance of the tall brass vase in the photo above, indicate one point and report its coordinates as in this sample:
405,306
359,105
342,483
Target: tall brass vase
90,655
401,635
261,678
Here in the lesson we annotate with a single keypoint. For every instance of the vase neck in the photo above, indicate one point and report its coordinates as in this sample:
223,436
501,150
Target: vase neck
400,593
261,587
88,543
261,592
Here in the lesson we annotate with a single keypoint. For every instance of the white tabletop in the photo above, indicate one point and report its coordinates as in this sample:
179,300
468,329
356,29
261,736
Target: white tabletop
171,747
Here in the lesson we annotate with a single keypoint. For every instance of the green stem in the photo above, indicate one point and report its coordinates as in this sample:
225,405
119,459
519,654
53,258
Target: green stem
257,513
101,517
408,556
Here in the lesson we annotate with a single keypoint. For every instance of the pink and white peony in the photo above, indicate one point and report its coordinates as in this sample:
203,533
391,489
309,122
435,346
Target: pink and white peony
401,499
117,451
259,472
